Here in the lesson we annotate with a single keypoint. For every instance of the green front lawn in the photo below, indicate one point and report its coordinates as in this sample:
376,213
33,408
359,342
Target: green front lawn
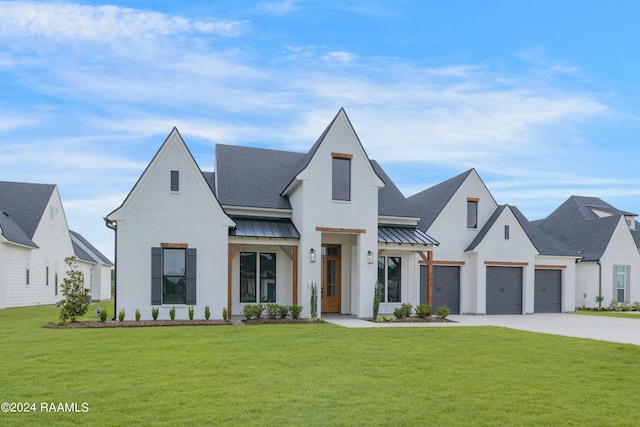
316,374
627,314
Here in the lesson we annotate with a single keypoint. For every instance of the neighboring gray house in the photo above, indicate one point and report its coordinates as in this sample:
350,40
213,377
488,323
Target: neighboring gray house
94,265
34,242
607,239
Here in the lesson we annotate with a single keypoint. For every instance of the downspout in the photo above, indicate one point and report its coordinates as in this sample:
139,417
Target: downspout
114,226
599,282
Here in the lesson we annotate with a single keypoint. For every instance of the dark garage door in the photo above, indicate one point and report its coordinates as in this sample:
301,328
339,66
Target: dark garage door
504,290
548,291
446,287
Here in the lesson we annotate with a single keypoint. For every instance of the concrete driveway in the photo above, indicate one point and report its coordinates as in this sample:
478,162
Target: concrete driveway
613,329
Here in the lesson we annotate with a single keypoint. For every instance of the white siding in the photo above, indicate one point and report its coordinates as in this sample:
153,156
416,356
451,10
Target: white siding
152,214
313,207
54,245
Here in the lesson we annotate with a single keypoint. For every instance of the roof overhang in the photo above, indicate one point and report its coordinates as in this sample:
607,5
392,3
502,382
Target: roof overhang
404,236
271,228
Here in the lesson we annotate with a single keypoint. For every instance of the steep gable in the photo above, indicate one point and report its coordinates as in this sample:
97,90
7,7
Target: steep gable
155,180
25,203
430,203
340,125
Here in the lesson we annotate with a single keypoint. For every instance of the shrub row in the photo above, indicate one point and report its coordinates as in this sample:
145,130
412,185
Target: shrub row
272,310
422,311
155,311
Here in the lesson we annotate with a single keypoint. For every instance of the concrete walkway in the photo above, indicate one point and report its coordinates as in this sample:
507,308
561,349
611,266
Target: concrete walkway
612,329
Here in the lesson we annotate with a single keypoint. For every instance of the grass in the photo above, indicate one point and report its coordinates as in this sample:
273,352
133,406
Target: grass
311,375
628,315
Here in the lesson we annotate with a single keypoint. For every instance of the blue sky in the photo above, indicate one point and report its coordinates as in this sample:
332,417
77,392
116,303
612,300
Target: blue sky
541,97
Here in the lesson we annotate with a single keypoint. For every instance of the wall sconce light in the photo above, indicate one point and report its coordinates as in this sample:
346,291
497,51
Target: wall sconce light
312,255
370,257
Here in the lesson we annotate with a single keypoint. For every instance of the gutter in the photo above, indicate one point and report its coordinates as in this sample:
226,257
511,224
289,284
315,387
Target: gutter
113,225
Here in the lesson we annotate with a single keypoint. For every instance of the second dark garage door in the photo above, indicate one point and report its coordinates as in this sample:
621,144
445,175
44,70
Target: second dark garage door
504,290
548,291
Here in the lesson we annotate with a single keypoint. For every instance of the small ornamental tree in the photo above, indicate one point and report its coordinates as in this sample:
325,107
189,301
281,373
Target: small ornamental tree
74,302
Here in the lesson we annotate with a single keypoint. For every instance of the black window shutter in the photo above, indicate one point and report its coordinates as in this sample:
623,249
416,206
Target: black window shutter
156,276
191,276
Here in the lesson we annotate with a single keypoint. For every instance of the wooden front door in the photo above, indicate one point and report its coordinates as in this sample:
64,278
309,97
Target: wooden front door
331,273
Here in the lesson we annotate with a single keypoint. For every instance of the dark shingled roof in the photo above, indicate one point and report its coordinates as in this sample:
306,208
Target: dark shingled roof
575,224
12,231
391,201
485,229
256,177
544,244
430,202
94,254
25,203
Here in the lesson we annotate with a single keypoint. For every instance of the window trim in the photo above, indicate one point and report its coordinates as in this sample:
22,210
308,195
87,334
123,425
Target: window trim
259,278
385,279
157,276
472,201
336,191
506,232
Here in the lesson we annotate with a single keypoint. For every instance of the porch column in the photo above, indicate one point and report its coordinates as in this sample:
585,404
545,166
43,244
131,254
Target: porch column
229,278
294,261
430,277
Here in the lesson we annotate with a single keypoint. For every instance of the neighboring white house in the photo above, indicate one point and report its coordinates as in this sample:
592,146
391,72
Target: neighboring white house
265,226
607,240
34,242
490,260
95,267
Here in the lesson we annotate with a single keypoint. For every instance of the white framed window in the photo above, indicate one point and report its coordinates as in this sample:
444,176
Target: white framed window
390,275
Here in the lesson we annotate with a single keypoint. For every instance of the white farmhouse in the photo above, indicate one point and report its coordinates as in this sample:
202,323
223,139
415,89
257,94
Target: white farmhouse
265,226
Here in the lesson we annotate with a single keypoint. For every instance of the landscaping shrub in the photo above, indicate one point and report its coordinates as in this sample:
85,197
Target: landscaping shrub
154,312
137,315
295,310
382,319
121,315
407,308
313,291
283,310
613,305
272,310
207,312
225,313
377,298
423,311
399,313
248,311
636,306
74,302
258,309
172,313
443,311
190,312
103,315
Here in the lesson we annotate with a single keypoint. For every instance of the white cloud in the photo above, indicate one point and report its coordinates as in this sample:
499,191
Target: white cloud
75,22
279,8
339,57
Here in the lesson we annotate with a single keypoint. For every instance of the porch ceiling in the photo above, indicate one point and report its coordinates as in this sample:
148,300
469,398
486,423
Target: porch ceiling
404,235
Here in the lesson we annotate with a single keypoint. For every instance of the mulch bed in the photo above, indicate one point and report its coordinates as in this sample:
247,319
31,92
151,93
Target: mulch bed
285,321
415,319
134,324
